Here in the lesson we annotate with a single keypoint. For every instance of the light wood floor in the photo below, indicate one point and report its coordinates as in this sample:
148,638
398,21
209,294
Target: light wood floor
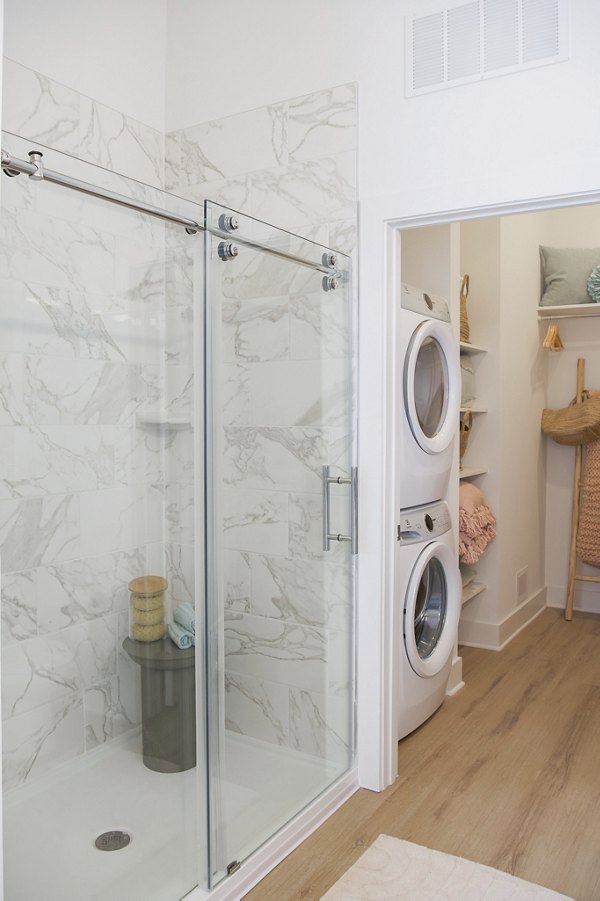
506,773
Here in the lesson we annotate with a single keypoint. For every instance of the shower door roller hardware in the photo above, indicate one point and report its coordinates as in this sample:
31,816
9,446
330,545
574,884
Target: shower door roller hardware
12,173
228,223
329,536
227,251
330,260
36,158
233,867
330,282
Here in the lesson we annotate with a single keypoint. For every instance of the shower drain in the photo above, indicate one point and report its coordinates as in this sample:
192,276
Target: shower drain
113,840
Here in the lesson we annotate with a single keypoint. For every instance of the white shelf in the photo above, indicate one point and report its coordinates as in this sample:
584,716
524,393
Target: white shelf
470,349
472,590
475,408
469,472
569,311
161,420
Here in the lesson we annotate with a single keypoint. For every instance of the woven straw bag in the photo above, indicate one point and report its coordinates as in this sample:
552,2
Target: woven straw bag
466,421
465,331
579,423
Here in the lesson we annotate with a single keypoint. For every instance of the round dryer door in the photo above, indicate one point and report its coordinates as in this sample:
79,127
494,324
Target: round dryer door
431,609
432,386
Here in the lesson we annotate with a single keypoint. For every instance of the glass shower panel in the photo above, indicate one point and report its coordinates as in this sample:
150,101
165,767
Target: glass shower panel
280,408
97,441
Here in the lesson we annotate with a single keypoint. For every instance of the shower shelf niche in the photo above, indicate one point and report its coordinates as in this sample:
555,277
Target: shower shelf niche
162,420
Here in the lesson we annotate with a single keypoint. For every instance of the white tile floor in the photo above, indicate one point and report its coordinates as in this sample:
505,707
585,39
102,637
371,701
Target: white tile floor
51,826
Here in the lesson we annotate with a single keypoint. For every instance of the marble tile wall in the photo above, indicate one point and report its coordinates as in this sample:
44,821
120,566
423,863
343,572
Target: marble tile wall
285,355
98,327
49,113
82,484
292,164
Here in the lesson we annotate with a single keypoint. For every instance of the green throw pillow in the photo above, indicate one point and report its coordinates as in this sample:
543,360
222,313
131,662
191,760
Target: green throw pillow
565,273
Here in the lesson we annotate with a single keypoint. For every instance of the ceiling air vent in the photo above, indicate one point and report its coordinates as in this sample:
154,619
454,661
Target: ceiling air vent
468,42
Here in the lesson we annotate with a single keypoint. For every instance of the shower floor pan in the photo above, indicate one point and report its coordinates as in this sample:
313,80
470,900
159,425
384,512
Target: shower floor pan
50,827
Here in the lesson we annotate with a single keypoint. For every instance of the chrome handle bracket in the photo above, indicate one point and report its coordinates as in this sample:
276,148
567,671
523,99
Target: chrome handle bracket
329,536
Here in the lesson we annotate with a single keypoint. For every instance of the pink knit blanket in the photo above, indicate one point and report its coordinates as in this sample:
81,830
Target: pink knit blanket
476,523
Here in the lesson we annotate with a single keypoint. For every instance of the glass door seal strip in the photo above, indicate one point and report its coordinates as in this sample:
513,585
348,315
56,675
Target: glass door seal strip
35,169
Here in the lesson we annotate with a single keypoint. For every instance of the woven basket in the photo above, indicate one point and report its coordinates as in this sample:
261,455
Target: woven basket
465,331
575,424
466,420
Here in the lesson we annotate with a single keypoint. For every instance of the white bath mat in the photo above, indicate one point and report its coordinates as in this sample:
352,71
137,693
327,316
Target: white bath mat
393,869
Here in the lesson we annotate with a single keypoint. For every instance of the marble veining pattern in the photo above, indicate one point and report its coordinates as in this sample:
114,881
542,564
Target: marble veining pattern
44,669
272,458
256,330
39,740
84,589
320,725
42,110
38,530
275,651
106,714
19,606
55,459
257,708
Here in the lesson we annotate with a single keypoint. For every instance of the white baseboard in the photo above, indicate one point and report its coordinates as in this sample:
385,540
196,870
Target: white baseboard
283,843
586,599
455,682
495,636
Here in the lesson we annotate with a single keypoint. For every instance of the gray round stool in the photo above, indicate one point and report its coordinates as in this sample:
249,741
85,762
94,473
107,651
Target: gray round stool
168,704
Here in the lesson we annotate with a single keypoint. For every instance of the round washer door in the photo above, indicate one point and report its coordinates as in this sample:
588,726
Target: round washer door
432,609
432,386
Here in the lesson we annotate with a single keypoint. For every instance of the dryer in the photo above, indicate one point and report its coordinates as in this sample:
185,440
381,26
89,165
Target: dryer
429,363
429,594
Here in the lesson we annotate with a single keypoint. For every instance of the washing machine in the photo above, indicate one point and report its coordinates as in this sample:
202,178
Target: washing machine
430,367
429,595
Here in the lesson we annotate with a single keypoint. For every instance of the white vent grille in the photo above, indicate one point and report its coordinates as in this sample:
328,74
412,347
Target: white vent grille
467,42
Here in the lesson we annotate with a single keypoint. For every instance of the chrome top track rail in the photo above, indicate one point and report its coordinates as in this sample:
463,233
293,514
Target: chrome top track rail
36,170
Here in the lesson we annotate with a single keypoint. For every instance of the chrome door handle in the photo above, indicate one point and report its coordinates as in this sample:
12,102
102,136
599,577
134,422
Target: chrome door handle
328,535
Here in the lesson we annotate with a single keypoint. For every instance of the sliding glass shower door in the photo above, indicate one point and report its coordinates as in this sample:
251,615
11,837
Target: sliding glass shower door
280,528
122,385
103,783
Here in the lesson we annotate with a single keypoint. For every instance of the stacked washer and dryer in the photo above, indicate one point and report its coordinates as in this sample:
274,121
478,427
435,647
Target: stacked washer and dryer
428,584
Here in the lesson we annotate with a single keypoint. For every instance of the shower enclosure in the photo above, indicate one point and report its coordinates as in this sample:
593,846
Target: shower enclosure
176,400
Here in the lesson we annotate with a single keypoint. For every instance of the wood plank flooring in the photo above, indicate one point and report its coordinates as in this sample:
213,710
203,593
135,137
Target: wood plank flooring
506,773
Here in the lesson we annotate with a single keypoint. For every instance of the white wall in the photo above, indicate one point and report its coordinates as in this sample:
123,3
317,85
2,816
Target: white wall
537,132
522,395
113,51
226,59
502,258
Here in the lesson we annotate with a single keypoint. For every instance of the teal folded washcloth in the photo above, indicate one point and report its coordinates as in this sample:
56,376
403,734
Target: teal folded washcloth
180,637
185,615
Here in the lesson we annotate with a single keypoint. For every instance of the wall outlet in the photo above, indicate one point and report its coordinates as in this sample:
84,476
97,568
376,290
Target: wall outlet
522,585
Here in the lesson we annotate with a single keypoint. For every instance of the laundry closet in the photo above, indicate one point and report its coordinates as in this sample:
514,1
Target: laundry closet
524,476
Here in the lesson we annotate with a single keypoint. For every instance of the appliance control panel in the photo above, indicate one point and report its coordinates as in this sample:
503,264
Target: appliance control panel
424,523
427,305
